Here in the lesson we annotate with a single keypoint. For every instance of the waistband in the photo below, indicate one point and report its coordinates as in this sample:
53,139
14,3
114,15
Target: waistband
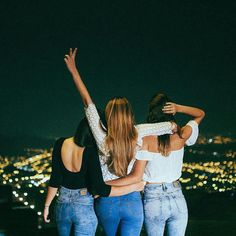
163,186
129,196
80,192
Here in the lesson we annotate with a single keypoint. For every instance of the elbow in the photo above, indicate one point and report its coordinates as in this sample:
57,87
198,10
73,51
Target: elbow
202,114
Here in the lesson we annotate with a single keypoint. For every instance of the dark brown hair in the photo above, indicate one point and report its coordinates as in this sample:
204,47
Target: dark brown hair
155,114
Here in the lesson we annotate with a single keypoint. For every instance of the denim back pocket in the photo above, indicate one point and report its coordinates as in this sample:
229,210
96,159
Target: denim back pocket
180,202
152,207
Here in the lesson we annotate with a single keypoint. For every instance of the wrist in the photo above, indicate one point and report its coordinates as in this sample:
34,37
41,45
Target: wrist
46,205
179,108
75,73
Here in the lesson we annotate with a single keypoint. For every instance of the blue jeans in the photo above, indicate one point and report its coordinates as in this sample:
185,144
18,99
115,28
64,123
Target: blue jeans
165,206
75,207
124,211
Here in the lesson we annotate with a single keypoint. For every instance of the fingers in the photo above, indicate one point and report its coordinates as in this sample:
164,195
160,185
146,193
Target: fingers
168,107
71,54
169,112
46,218
74,53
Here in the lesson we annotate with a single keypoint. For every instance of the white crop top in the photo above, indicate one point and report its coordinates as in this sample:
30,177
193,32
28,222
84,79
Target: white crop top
100,135
163,169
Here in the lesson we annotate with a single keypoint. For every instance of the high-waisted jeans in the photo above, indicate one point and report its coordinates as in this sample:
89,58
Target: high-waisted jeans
165,206
124,211
75,207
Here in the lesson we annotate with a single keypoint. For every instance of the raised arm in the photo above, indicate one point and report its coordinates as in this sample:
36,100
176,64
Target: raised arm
71,65
90,109
196,113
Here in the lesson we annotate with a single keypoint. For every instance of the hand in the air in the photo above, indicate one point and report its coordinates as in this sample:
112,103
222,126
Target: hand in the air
70,61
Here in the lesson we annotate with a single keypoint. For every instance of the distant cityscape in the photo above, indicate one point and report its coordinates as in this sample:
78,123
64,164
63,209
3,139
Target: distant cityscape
209,166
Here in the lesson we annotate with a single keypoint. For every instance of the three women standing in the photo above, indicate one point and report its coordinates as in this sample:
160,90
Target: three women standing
126,152
117,143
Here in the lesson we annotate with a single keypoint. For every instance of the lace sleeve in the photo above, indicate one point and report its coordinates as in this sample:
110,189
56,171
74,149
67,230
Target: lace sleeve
94,123
153,129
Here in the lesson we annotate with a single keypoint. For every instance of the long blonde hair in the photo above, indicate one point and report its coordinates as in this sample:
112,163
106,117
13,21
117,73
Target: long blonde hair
121,135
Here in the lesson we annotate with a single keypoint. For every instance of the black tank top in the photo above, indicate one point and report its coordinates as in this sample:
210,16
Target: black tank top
89,176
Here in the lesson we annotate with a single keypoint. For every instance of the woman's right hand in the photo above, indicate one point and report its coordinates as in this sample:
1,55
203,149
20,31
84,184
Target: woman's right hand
138,187
170,108
46,214
70,61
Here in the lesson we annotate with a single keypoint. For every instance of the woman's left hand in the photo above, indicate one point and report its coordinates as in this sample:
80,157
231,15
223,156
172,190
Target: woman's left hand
46,214
170,108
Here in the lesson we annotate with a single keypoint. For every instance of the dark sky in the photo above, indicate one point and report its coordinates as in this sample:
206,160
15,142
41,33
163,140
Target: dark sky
129,48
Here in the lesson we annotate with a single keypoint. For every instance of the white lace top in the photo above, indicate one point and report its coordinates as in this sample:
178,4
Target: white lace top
162,169
100,135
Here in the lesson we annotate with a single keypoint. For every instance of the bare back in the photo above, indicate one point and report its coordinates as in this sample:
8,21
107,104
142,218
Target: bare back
72,155
176,143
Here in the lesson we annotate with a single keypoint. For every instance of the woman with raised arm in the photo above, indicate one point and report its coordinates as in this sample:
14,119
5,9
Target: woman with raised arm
117,145
76,172
160,160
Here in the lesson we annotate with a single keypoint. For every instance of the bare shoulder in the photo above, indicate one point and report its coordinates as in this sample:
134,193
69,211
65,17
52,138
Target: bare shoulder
186,132
149,139
176,141
68,142
149,142
68,146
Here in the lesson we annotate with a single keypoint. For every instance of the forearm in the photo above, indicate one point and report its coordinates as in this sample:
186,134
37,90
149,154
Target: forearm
197,113
130,179
119,191
154,129
50,195
94,124
81,88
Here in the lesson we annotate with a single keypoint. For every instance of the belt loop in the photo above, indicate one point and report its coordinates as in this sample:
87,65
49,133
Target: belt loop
176,184
83,191
164,188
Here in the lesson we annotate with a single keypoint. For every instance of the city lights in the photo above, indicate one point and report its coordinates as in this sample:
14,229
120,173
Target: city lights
204,168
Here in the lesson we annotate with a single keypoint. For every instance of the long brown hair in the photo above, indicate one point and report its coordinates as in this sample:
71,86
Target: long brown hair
155,114
121,135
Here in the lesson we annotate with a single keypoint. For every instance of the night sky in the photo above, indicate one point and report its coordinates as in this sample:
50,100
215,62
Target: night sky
129,48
